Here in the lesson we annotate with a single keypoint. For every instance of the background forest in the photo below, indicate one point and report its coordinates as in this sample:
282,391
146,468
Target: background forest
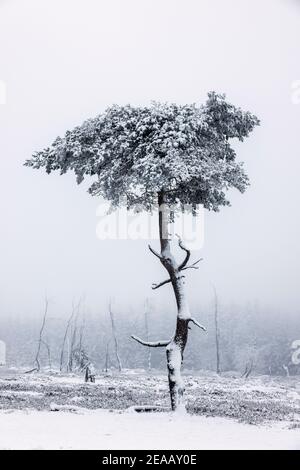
249,337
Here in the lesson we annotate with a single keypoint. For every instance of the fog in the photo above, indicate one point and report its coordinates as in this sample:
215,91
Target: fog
65,61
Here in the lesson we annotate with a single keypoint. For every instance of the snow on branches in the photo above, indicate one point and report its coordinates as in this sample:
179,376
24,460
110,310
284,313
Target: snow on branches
135,152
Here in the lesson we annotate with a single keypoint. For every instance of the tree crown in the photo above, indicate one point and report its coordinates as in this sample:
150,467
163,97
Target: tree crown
136,152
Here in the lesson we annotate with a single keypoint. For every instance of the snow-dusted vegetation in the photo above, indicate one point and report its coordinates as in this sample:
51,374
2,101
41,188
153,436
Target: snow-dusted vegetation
255,400
260,412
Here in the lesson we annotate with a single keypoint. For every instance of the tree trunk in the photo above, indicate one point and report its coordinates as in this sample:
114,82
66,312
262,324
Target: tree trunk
286,369
107,357
48,352
65,337
113,327
40,341
175,348
217,332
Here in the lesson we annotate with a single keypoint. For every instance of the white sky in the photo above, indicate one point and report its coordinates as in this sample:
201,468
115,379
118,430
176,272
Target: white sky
64,61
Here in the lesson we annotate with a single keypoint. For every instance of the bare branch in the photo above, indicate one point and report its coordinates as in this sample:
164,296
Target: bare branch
197,324
196,262
188,254
156,286
192,266
151,344
155,253
31,370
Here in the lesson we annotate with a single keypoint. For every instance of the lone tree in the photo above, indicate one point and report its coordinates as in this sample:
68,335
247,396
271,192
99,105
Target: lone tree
168,155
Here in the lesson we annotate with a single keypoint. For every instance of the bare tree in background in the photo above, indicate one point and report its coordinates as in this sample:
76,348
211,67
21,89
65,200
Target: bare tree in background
286,369
147,313
72,344
107,356
217,330
69,322
46,344
81,334
113,327
40,340
80,356
248,369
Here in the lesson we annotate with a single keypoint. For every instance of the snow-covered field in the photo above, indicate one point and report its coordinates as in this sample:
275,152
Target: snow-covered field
224,413
101,429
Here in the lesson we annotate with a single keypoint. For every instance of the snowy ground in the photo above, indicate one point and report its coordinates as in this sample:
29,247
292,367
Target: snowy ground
101,429
224,413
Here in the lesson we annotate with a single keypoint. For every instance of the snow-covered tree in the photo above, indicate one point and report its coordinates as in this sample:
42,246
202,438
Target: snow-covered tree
167,155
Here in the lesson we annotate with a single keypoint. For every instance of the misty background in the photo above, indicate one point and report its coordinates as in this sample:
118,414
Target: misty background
65,61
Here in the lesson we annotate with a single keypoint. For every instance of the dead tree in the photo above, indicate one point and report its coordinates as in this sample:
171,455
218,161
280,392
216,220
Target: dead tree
217,331
77,354
69,322
72,344
107,356
48,353
248,369
81,334
90,375
113,327
286,369
40,340
147,312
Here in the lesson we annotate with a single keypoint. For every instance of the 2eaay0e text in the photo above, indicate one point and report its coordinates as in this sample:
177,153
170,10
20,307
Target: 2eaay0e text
150,459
